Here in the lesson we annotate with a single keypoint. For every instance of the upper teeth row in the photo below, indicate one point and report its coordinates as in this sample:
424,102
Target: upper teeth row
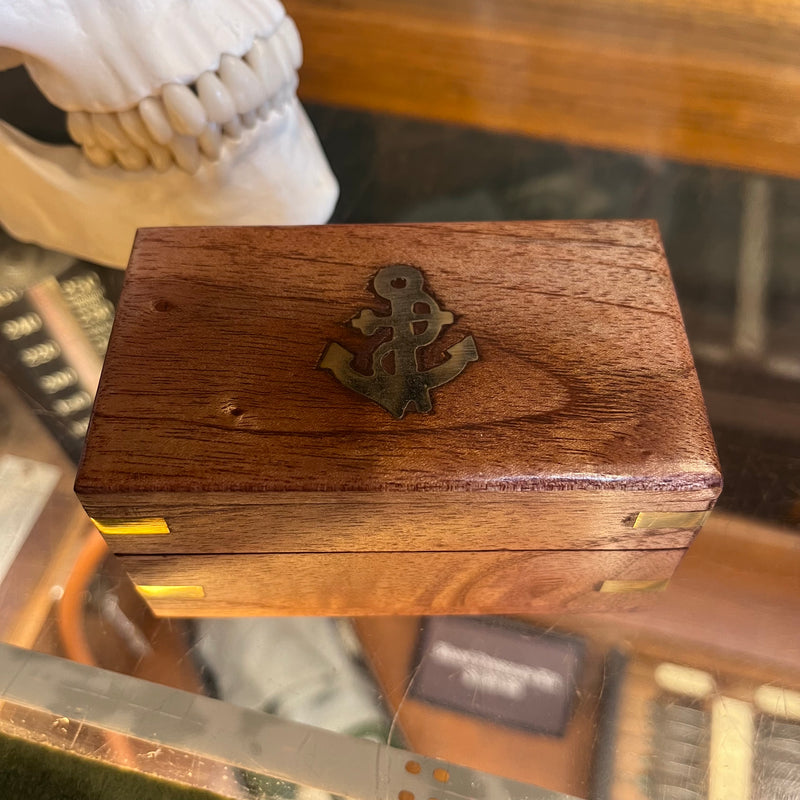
185,121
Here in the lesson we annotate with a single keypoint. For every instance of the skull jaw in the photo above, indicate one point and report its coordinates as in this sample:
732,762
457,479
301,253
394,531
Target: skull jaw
276,174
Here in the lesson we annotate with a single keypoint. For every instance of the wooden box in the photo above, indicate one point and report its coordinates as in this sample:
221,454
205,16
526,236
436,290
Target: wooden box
247,455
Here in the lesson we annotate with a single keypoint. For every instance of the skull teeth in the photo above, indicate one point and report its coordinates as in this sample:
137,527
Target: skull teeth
210,141
289,37
155,119
233,127
184,110
186,152
131,158
265,61
216,99
108,132
187,122
79,126
160,157
98,155
132,123
246,90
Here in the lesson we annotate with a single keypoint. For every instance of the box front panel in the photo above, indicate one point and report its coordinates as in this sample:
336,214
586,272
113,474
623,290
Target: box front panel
293,522
244,411
400,583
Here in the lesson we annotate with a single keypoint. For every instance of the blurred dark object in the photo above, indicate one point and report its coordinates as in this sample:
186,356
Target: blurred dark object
55,320
26,108
513,675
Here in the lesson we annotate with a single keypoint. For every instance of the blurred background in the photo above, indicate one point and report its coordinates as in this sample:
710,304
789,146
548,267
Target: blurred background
493,110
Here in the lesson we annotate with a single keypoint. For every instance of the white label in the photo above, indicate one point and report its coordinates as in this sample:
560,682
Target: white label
25,487
479,670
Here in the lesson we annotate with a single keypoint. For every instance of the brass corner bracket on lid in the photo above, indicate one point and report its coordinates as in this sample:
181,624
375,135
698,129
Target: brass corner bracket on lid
650,520
171,592
618,587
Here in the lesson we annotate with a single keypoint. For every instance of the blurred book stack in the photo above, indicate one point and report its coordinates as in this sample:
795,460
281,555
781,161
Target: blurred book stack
55,319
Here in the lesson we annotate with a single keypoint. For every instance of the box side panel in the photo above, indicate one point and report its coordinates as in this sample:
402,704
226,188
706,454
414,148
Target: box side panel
338,584
362,522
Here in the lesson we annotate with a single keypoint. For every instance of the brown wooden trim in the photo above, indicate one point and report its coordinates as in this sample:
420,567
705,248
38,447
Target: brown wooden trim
353,584
711,81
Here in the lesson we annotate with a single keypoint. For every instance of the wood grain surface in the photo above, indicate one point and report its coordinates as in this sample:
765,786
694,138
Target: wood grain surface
716,81
582,410
353,584
585,380
312,522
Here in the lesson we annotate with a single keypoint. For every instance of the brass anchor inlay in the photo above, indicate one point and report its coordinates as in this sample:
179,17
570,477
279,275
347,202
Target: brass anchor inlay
416,321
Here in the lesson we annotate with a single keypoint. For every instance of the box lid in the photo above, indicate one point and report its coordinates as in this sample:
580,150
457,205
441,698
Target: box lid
572,369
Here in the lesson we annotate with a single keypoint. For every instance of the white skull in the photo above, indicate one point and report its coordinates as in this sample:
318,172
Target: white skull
184,113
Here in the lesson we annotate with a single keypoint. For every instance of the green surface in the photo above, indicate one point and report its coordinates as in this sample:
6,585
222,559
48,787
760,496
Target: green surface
45,773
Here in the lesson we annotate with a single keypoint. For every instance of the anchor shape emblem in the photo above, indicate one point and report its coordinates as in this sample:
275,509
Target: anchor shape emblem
416,321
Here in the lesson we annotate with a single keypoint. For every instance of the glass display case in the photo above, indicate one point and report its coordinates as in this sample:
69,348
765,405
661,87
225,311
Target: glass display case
486,111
